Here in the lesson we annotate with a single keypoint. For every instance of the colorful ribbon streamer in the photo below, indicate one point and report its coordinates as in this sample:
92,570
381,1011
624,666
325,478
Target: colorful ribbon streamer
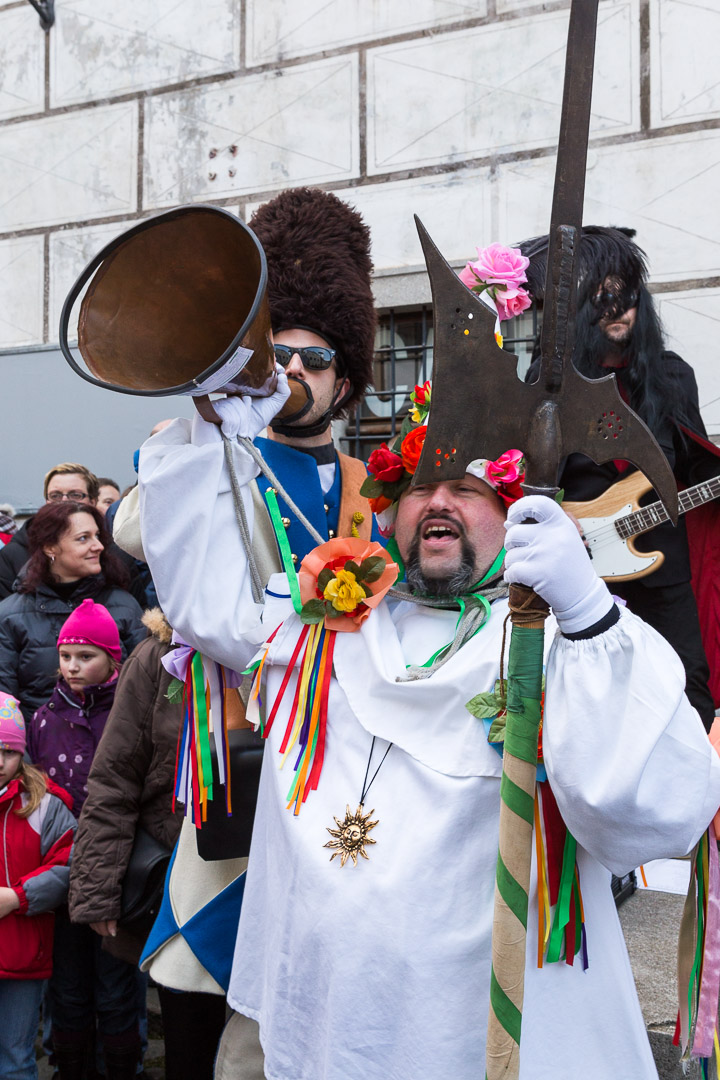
699,960
205,688
306,727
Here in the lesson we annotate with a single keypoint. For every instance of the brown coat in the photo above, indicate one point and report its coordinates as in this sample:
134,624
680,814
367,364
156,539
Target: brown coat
130,781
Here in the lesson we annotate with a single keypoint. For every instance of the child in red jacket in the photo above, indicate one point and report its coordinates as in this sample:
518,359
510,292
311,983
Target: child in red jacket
37,829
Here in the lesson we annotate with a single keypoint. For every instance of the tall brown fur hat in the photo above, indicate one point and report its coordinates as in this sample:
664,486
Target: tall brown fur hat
319,267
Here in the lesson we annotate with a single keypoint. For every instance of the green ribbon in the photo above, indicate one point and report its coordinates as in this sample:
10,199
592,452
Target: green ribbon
562,910
499,559
694,981
394,552
443,648
198,675
512,892
517,799
284,545
525,667
506,1011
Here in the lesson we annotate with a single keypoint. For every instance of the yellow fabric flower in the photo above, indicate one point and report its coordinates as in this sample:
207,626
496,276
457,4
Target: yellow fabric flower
344,592
415,416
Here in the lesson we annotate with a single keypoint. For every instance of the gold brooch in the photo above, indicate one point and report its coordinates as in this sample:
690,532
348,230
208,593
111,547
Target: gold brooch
351,835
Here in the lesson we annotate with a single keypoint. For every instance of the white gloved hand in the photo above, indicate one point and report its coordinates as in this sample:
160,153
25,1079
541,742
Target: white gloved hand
550,557
246,416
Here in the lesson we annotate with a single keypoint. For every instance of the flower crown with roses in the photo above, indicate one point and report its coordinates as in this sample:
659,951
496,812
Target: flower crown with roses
391,469
497,275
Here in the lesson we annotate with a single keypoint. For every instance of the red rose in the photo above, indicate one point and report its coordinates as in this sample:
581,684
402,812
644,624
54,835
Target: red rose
411,448
383,464
510,493
421,394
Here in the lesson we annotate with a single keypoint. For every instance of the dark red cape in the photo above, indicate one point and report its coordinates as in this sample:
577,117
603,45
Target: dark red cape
703,530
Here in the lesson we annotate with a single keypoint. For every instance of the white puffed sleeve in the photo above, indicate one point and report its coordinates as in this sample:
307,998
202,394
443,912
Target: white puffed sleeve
192,541
630,764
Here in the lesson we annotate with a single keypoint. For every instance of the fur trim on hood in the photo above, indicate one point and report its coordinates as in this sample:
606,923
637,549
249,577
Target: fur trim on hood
157,624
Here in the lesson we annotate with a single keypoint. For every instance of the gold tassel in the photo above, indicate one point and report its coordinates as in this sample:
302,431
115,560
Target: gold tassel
357,519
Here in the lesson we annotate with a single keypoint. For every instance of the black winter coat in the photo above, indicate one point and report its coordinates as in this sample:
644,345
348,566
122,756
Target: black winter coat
15,554
29,628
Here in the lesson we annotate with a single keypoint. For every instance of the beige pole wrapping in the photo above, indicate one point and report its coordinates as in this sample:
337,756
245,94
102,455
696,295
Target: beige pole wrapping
517,792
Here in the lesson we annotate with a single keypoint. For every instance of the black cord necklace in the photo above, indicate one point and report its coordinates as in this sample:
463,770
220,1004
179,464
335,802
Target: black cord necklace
351,835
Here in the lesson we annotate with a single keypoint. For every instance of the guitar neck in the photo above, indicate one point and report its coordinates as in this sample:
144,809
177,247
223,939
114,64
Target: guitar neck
654,514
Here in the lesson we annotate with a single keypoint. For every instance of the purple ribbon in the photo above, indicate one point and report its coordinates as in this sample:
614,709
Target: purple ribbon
177,661
710,986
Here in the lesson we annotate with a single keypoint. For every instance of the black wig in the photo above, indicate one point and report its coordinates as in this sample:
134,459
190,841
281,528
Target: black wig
612,278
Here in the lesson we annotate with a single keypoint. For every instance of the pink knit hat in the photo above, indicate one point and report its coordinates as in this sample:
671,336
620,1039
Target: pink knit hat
92,624
12,725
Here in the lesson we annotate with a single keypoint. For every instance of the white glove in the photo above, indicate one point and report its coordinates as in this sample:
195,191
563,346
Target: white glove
245,417
550,557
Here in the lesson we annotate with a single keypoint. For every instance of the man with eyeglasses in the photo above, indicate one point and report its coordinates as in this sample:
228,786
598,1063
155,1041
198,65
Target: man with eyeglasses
618,331
67,481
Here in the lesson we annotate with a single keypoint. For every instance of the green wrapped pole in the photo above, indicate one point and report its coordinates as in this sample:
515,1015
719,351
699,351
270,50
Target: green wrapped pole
517,795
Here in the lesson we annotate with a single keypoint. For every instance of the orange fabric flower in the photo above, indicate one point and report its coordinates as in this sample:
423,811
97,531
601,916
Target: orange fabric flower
411,448
346,548
379,503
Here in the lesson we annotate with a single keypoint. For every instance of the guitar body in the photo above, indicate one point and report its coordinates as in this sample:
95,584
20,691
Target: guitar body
615,558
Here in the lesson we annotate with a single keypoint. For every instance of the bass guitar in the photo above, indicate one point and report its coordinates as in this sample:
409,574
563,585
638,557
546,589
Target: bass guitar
611,521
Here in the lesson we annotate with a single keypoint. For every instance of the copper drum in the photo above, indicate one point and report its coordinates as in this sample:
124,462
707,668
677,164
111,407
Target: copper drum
178,305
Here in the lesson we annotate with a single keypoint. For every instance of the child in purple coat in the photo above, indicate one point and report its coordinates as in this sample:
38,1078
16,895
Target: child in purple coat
88,987
65,732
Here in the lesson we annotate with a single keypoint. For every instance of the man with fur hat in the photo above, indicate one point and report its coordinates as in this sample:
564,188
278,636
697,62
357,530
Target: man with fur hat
618,331
323,321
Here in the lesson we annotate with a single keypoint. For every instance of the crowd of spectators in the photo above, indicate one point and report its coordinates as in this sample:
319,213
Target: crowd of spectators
85,721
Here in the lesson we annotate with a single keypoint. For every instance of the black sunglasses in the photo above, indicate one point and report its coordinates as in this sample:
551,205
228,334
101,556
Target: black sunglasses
314,357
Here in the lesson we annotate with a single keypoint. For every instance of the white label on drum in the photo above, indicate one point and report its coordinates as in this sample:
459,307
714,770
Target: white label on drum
223,375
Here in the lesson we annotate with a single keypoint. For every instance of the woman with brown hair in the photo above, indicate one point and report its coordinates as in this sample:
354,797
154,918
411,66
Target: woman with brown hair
38,831
69,562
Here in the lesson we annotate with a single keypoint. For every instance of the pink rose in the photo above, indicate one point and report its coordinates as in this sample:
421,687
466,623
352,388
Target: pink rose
469,277
506,469
496,265
510,302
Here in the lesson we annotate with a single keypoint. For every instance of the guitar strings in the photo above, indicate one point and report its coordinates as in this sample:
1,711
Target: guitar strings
608,534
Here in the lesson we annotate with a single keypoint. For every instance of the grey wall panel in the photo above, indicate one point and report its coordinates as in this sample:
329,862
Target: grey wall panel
50,415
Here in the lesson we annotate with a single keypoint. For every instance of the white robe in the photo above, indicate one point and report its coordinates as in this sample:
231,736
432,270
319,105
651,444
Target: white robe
381,971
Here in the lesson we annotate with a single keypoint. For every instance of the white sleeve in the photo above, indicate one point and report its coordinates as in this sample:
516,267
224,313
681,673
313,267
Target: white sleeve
630,764
192,543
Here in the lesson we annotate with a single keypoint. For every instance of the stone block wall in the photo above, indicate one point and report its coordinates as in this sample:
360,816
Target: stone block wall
444,108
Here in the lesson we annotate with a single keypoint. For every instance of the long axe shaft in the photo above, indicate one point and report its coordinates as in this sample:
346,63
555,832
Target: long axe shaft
561,413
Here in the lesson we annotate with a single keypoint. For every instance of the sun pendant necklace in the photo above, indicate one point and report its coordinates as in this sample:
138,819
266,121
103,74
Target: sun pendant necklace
351,835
